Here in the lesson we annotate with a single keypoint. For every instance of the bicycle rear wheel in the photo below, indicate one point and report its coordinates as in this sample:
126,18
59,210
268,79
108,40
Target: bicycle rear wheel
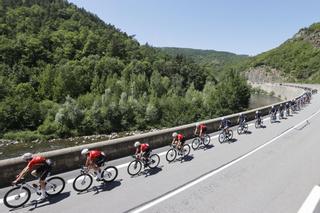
109,173
206,140
134,167
154,161
82,182
185,150
54,185
16,197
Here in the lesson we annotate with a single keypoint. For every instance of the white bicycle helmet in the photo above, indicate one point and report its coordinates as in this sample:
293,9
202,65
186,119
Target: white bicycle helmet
84,151
197,124
257,112
27,156
136,144
174,134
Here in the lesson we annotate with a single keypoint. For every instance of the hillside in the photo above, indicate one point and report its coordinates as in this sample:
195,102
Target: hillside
216,62
297,59
65,72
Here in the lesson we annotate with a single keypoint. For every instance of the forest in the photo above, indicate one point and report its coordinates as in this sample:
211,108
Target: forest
64,72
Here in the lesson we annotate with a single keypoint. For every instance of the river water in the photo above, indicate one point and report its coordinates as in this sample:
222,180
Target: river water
259,100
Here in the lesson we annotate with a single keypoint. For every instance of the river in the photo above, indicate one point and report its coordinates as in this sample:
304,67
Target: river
259,100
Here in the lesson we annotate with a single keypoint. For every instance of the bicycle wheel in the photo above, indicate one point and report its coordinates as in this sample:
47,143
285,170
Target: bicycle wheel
230,135
171,155
221,137
195,143
240,130
245,127
55,185
206,140
82,182
109,173
256,124
185,150
16,197
154,161
134,167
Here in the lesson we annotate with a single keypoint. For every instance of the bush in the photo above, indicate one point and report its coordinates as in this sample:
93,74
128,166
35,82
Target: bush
25,136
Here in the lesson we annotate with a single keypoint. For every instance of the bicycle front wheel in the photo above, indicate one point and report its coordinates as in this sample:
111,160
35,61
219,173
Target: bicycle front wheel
171,155
230,135
82,182
16,197
185,150
195,143
55,185
109,173
154,161
221,137
134,167
240,130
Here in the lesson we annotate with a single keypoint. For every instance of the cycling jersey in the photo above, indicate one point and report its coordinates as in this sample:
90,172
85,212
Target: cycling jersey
143,147
36,162
94,154
202,127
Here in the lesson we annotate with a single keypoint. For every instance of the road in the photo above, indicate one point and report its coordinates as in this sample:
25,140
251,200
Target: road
272,169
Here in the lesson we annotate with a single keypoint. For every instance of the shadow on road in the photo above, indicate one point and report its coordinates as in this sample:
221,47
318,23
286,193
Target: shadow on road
150,172
49,201
107,186
210,146
248,132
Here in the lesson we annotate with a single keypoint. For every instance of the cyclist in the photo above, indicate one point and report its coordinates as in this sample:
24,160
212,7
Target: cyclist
201,128
95,160
143,150
281,110
225,124
39,167
273,112
178,140
241,119
258,116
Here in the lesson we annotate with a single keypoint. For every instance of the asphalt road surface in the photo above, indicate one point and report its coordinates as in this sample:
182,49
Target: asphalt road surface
272,169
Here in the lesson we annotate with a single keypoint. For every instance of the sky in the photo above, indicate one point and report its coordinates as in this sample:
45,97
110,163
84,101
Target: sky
240,26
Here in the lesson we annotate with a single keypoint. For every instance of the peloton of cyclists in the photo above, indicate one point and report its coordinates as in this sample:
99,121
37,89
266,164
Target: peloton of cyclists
39,167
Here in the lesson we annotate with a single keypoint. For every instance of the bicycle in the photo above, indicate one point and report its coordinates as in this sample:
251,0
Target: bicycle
174,151
273,117
242,128
225,136
135,166
21,192
203,140
83,181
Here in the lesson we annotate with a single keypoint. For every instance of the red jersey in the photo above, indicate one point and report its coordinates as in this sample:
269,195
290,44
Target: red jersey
180,137
143,147
93,154
36,161
203,127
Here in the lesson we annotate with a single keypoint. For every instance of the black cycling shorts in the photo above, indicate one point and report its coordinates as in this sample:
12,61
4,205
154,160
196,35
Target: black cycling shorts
43,171
100,160
147,152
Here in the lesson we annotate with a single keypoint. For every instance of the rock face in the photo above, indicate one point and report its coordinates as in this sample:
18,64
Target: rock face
264,74
311,36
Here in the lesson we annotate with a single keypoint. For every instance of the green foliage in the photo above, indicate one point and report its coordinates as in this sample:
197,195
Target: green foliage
64,72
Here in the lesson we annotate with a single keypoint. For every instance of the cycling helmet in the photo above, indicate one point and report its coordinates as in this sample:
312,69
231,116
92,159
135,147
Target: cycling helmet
84,151
241,113
257,112
197,124
174,134
136,144
272,107
27,156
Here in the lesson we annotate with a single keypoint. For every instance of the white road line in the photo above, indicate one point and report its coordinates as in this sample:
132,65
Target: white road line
126,164
311,202
199,180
